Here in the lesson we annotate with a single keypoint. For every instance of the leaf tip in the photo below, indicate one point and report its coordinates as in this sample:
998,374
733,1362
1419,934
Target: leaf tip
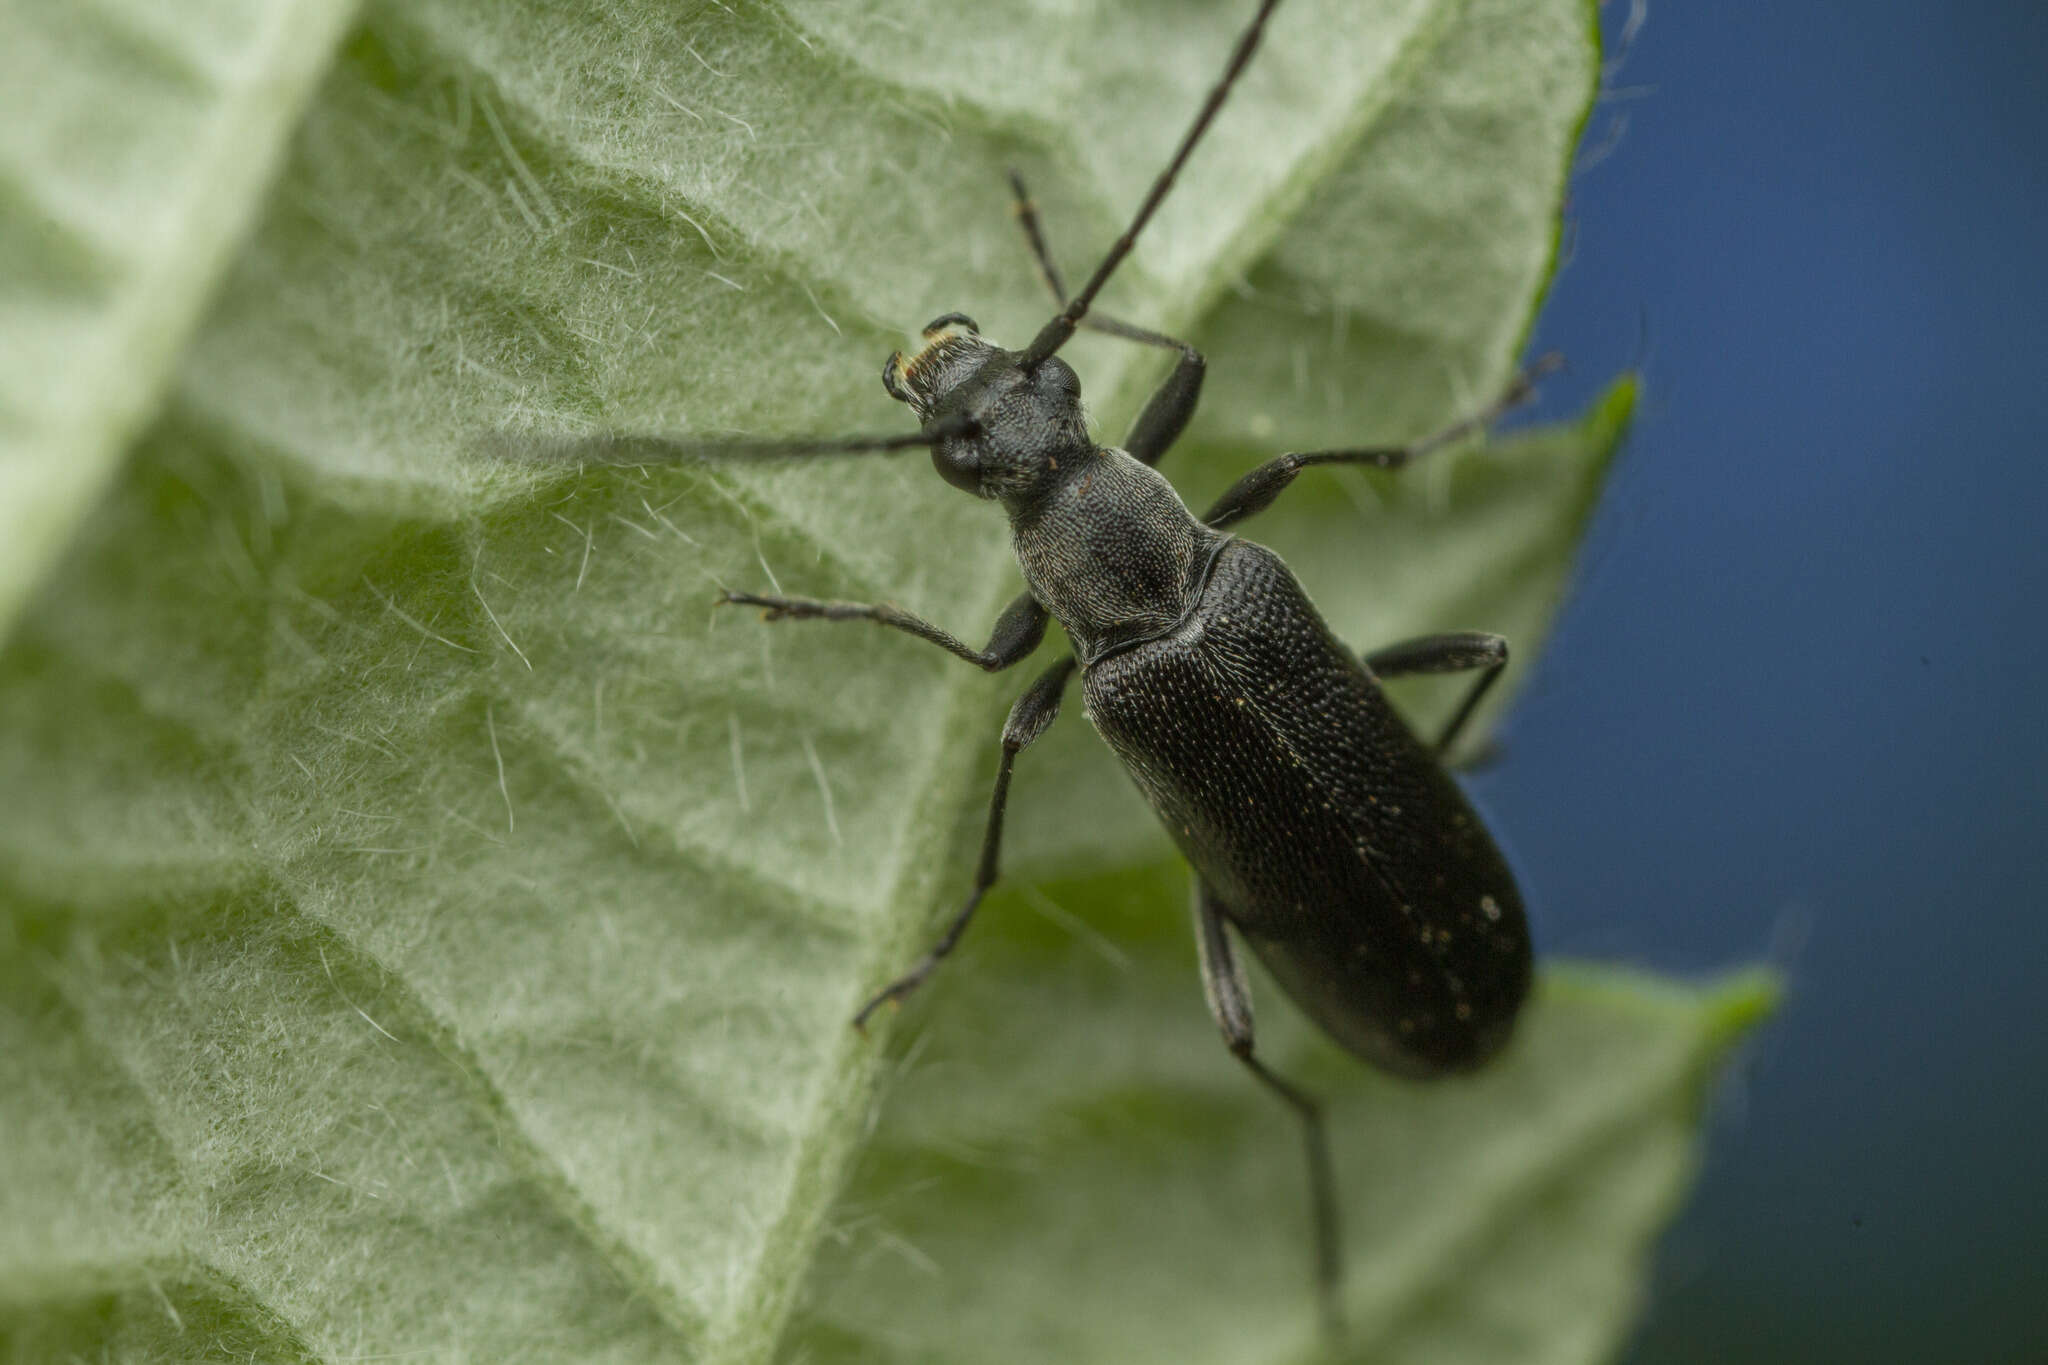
1740,1002
1611,415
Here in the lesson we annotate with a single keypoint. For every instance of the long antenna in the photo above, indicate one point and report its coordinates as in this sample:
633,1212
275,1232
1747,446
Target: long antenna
1056,333
643,450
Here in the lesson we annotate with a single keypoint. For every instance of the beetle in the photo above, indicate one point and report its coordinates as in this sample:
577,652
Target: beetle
1323,833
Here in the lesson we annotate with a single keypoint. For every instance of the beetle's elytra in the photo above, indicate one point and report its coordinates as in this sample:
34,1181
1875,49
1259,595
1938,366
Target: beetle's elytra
1323,833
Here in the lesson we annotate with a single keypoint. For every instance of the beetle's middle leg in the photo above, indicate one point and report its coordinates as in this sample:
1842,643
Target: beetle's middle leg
1229,994
1029,718
1255,492
1172,404
1018,631
1454,652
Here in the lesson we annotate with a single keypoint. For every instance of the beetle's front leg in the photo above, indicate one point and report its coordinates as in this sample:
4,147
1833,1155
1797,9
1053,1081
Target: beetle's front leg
1255,492
1029,718
1018,631
1172,404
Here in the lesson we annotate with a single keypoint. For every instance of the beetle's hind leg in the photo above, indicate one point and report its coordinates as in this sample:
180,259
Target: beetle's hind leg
1228,992
1033,714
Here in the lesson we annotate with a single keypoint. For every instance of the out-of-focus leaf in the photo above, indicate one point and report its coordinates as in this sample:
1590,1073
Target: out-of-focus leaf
136,141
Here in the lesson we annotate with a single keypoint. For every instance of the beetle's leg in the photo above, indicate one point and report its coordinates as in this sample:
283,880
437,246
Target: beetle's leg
1029,718
1169,409
1167,412
1454,652
1026,209
1017,631
1229,994
1255,491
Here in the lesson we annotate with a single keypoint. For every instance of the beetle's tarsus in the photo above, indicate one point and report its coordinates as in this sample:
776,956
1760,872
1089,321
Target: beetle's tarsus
890,995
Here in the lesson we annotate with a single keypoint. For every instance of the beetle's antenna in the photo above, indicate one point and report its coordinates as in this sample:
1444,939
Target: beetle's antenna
1056,333
645,450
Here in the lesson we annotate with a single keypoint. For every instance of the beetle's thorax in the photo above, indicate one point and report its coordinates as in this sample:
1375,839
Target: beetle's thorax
1106,544
1110,550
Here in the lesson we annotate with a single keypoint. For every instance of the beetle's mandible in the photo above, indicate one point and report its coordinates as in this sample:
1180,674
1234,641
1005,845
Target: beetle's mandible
1324,835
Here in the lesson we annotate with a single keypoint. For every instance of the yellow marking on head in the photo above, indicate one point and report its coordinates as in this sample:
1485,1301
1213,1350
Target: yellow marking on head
934,342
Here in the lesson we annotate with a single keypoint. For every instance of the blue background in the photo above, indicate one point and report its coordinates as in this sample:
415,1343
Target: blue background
1794,709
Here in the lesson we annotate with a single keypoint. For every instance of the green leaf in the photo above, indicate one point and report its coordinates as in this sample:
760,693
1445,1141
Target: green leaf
427,928
1114,1188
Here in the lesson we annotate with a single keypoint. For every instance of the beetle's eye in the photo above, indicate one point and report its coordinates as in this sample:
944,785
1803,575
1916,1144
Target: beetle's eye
1061,376
958,461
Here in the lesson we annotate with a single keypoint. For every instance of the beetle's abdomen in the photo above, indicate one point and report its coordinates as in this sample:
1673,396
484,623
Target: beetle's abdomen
1351,862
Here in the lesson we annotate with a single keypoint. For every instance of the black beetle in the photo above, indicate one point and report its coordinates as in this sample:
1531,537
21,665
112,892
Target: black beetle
1320,827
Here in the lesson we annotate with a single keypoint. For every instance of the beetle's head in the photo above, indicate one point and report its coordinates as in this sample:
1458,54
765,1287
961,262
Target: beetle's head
1021,422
